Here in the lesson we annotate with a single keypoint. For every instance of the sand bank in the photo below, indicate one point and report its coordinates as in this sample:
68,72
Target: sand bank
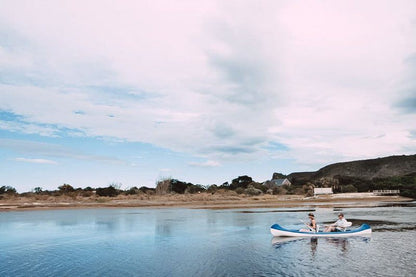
198,201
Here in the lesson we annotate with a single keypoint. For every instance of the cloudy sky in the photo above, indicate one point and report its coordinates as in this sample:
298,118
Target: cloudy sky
96,92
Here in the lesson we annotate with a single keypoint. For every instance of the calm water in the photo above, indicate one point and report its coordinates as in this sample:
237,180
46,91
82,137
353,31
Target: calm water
186,242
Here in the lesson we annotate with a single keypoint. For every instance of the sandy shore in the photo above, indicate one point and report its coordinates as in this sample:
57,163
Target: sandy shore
199,201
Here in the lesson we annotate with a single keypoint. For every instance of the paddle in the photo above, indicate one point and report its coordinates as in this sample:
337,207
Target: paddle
310,228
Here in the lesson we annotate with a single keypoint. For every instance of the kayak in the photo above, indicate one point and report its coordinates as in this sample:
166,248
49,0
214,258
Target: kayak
279,231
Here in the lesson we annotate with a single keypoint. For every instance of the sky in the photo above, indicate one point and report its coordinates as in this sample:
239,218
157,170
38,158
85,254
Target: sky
94,93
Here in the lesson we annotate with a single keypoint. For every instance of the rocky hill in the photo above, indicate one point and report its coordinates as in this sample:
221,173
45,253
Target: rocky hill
387,167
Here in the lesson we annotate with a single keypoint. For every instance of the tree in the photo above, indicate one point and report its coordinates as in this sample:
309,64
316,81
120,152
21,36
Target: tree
132,191
241,182
8,190
66,188
38,190
108,191
212,188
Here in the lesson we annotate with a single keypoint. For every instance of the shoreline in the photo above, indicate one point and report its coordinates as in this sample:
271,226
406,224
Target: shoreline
203,201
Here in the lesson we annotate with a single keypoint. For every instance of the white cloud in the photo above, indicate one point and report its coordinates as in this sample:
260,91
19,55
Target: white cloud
36,161
217,80
55,150
205,164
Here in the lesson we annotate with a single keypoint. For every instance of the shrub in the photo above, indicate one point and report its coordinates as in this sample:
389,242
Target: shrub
7,190
147,190
38,190
251,190
65,188
212,189
259,186
194,189
132,191
241,182
108,191
308,190
172,185
163,186
349,188
279,190
87,193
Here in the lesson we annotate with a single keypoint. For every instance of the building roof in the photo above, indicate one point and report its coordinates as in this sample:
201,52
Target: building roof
279,182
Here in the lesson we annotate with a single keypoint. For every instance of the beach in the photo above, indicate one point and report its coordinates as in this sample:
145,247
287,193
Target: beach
197,201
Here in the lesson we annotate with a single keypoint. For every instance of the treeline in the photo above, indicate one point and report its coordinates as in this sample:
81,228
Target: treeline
341,184
241,185
68,190
406,185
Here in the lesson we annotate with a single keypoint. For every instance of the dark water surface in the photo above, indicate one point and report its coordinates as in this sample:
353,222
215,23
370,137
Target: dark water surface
187,242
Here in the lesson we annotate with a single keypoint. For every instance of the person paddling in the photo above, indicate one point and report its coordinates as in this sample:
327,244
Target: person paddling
341,223
311,224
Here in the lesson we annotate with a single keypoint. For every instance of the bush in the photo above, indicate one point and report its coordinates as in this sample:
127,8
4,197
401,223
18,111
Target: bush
212,189
38,190
279,190
194,189
173,185
108,191
7,190
259,186
147,190
132,191
65,188
308,190
87,193
251,190
163,186
241,182
349,188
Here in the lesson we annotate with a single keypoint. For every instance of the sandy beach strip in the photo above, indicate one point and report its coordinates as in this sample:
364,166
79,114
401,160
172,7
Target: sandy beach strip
202,201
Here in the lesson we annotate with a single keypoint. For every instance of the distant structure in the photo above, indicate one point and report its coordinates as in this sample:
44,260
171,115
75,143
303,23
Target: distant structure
386,192
280,182
321,191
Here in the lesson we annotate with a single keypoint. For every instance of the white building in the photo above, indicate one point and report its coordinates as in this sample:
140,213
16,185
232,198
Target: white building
281,182
320,191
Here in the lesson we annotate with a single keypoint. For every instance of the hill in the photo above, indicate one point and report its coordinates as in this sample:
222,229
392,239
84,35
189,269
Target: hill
370,169
387,167
394,172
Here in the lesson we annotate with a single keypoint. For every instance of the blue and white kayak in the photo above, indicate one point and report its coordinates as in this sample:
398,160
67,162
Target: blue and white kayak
279,231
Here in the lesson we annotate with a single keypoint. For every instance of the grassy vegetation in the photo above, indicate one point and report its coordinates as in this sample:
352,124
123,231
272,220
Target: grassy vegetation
240,185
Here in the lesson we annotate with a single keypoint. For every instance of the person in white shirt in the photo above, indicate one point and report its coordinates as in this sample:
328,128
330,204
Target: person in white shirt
340,223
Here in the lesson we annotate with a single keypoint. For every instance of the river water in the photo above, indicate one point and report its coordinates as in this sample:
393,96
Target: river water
196,242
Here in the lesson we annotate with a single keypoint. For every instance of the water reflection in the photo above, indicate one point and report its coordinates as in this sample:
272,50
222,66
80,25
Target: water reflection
185,242
109,225
340,243
163,229
314,245
278,241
